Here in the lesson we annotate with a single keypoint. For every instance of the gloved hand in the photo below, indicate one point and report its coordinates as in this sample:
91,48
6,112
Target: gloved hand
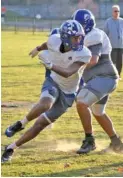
34,52
45,61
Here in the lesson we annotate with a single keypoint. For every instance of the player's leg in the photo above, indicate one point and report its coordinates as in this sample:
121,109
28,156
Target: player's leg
58,108
105,122
98,110
86,98
92,92
39,125
48,97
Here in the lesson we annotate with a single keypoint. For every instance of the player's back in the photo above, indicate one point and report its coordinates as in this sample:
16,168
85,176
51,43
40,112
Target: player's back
97,36
97,40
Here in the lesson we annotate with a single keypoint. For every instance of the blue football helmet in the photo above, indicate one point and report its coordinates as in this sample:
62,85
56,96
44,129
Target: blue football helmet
85,18
54,31
69,29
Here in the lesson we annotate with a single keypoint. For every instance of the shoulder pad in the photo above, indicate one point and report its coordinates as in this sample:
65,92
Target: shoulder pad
94,37
54,42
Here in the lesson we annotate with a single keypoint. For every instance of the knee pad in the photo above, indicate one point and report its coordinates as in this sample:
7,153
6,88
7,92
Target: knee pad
98,109
87,97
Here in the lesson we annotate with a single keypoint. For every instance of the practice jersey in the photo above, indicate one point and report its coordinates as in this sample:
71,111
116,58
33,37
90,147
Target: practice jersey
53,31
97,36
98,43
71,84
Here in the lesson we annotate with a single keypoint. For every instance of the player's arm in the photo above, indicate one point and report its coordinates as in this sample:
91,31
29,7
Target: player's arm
64,72
37,49
96,52
42,47
93,61
68,71
73,68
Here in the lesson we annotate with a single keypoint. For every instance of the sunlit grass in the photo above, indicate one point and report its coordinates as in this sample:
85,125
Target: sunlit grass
48,153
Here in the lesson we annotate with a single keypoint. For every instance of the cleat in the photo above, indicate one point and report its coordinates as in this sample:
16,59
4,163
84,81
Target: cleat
87,146
11,130
7,155
116,146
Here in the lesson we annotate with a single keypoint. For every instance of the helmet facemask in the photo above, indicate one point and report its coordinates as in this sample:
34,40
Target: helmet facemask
71,32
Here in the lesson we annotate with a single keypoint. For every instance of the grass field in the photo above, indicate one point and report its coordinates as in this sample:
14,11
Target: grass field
48,153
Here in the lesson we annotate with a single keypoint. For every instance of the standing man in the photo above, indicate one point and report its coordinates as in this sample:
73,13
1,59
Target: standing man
114,30
66,57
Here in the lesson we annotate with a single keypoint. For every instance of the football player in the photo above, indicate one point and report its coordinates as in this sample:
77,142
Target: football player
66,57
42,47
101,79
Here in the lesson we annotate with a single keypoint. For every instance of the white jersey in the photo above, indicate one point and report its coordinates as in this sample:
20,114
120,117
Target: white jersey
104,67
71,84
96,36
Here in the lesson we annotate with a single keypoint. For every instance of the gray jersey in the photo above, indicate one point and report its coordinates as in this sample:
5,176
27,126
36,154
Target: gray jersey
99,44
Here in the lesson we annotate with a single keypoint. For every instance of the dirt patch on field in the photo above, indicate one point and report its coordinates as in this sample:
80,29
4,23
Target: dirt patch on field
67,145
63,145
18,104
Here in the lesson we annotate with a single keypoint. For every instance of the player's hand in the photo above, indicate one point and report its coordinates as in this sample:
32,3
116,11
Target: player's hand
45,61
34,52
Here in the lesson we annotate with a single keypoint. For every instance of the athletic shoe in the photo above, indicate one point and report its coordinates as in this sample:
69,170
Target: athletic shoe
7,155
87,146
11,130
116,145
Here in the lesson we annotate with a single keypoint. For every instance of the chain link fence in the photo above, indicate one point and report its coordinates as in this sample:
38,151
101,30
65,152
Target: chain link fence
43,15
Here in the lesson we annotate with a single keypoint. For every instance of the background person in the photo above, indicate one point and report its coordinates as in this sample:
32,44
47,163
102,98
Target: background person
114,30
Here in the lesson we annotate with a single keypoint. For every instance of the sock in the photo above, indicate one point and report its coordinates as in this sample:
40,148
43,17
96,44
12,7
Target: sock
24,122
115,140
114,137
88,135
12,146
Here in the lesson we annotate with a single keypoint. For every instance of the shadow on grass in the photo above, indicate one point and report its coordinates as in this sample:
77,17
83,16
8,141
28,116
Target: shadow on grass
93,171
25,65
100,170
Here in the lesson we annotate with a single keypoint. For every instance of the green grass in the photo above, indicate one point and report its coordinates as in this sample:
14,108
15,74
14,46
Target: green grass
47,154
